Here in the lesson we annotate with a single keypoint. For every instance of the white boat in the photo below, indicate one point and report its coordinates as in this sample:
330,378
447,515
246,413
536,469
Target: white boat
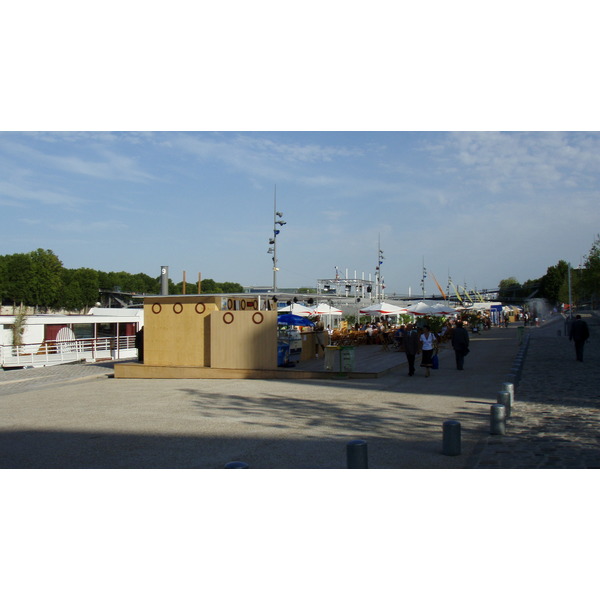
104,333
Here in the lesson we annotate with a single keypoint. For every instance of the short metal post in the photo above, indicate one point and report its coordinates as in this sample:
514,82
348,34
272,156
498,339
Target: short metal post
498,419
503,398
510,388
356,454
237,464
451,438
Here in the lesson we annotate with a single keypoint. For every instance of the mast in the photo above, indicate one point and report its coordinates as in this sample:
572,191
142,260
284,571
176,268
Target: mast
378,278
423,278
273,241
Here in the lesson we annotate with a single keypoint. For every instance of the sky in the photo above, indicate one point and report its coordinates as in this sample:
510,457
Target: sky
476,206
415,128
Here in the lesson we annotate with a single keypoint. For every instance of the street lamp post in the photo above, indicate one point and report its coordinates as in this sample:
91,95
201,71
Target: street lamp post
378,277
273,241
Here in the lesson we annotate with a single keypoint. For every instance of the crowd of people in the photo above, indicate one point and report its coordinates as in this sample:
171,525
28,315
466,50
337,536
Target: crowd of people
419,339
415,339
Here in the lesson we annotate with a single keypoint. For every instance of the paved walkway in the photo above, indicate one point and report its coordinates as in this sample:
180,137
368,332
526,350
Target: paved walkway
77,416
555,422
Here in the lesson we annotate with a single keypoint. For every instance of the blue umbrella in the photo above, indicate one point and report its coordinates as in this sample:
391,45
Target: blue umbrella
291,319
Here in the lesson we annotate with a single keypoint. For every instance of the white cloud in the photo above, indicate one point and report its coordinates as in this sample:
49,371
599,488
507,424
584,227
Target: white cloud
112,166
262,156
521,162
107,163
44,196
83,227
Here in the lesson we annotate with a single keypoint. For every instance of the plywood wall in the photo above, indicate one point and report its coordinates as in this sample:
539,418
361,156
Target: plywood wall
198,331
243,339
177,331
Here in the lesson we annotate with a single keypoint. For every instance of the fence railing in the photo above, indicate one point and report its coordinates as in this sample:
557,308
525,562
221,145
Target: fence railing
53,353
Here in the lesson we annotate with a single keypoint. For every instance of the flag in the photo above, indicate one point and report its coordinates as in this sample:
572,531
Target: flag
438,286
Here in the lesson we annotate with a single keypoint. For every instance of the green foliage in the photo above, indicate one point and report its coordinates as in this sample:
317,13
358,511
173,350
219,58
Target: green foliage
15,274
552,281
554,286
589,278
209,286
18,327
45,279
435,323
79,288
33,279
231,288
39,279
509,289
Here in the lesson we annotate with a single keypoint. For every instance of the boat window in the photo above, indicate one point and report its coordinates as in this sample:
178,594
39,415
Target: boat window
83,330
107,329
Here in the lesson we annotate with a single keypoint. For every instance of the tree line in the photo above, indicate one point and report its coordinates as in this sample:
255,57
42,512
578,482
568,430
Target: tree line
39,279
554,285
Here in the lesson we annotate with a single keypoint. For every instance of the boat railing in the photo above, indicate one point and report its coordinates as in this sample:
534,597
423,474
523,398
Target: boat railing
66,351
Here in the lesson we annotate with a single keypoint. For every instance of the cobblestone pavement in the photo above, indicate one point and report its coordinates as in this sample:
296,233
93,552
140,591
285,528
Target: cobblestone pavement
555,420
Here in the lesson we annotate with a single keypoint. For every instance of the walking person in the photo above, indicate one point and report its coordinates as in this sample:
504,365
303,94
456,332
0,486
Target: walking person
460,343
319,340
139,344
579,334
410,343
427,342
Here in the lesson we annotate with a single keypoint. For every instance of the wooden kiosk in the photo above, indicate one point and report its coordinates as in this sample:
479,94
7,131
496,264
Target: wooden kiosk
205,337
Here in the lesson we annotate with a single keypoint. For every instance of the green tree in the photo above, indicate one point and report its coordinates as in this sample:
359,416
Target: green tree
552,281
80,288
16,272
231,288
210,286
39,279
3,277
45,282
590,277
509,290
144,284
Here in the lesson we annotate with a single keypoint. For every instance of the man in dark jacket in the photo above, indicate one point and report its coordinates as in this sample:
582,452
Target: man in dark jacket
579,334
460,343
411,346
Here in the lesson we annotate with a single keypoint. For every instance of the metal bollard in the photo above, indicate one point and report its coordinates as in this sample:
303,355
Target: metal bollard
504,399
498,419
237,464
451,438
356,454
510,388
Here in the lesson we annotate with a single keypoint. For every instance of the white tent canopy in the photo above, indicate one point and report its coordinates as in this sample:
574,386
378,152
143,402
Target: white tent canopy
421,308
325,309
298,309
442,309
383,308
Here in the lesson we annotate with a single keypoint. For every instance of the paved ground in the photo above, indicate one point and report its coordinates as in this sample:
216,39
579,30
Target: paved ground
556,419
77,416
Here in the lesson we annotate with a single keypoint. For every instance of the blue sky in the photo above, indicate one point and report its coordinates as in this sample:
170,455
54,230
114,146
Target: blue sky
348,112
481,206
